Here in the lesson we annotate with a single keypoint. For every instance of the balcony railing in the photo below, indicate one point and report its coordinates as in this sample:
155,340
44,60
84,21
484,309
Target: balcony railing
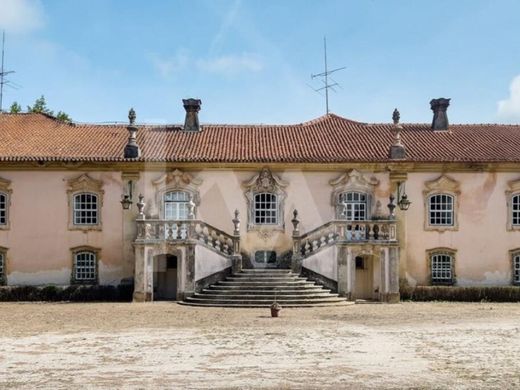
183,231
342,231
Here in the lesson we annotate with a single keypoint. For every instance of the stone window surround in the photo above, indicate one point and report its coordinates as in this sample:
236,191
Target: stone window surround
3,274
84,184
442,251
265,182
353,181
5,188
176,180
443,185
84,248
513,188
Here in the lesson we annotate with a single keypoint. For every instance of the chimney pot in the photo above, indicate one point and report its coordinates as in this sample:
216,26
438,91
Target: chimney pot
192,107
440,117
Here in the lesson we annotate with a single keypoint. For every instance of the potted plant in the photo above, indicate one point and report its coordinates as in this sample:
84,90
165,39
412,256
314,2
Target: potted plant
275,307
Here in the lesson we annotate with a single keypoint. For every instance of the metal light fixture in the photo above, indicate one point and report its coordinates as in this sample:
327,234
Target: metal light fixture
402,198
126,200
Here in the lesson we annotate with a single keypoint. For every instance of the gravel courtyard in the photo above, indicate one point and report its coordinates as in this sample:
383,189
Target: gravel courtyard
165,345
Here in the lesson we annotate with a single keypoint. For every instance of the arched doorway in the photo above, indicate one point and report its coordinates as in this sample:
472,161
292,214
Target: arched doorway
165,277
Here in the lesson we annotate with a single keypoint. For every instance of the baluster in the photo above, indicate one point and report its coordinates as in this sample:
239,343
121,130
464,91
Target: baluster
323,240
331,237
376,232
307,247
147,231
349,233
314,245
370,228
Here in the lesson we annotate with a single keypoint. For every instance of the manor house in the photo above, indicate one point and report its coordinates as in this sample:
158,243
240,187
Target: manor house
317,212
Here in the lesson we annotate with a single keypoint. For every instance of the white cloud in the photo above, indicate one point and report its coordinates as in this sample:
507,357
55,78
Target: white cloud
21,16
232,64
168,66
509,109
227,22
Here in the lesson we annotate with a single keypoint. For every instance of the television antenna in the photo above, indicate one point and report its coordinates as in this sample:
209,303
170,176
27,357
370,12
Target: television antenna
3,73
325,77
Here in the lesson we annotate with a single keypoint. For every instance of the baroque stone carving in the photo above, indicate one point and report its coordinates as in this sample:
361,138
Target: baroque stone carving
84,183
176,180
352,180
266,182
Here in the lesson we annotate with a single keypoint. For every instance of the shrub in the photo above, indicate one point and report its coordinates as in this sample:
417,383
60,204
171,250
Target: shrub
461,294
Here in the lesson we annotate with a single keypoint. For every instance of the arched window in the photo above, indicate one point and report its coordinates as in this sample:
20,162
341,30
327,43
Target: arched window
176,205
86,209
85,266
515,210
265,209
440,210
441,267
353,206
3,209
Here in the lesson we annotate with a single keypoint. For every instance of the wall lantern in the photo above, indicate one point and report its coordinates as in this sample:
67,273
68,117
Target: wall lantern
402,198
126,200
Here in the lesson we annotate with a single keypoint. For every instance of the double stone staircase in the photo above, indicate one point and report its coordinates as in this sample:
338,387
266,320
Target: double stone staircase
260,288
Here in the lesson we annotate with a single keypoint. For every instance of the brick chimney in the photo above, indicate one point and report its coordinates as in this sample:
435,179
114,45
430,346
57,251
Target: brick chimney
440,118
192,107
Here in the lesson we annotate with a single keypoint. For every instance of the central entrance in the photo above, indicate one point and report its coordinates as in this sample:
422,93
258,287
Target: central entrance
265,259
367,277
165,277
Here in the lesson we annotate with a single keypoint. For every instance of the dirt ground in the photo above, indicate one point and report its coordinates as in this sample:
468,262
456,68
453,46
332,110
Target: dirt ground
166,345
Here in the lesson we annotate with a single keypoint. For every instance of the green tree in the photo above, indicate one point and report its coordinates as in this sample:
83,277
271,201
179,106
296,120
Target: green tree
40,106
15,108
61,116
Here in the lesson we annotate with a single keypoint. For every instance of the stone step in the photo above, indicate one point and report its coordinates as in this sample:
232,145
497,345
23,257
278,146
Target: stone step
266,292
279,297
303,287
265,301
265,306
261,270
262,283
279,279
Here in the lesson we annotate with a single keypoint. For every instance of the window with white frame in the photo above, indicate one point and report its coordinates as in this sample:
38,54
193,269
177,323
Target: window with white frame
515,210
265,209
441,268
176,205
516,268
85,266
353,206
440,210
85,209
3,208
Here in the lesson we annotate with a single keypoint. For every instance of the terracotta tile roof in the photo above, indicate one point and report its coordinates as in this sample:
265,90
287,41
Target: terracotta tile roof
328,139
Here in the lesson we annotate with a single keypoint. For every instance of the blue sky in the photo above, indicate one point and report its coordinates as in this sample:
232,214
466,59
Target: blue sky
250,61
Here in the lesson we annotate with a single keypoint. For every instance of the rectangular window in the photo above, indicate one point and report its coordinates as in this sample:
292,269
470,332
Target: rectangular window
516,210
2,266
176,205
85,209
516,269
442,268
3,209
354,206
441,210
266,209
85,266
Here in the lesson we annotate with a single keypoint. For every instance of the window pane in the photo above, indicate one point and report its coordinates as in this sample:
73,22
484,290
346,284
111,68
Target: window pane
1,264
353,206
516,269
85,266
441,268
265,209
441,210
85,209
3,209
176,205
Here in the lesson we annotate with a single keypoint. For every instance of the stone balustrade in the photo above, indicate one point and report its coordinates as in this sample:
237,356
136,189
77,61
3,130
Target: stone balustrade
183,231
341,231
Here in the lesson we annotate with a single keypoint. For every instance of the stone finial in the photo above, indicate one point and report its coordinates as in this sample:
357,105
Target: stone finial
192,107
397,150
140,206
396,116
391,206
236,223
191,207
440,117
131,116
132,148
295,221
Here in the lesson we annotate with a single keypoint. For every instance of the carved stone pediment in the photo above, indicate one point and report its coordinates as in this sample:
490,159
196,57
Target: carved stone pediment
5,186
513,186
443,183
265,181
84,183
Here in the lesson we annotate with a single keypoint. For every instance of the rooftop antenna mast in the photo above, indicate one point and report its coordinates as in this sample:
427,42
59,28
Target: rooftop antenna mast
325,76
3,73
